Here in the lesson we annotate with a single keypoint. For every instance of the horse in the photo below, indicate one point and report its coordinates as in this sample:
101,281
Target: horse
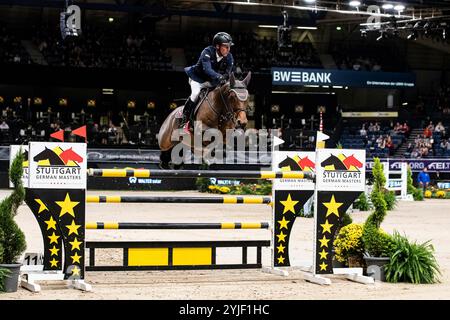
223,108
49,155
334,163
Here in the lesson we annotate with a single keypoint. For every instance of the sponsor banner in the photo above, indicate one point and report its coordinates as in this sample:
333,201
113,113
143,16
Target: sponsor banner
417,165
324,77
56,165
13,150
377,114
340,169
293,161
152,156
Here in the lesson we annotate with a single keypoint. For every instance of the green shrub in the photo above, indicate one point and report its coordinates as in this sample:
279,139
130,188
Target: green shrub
346,219
362,203
13,239
376,242
3,274
391,200
202,184
411,262
418,195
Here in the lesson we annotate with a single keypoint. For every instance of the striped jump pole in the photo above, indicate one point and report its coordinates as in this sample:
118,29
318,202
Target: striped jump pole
162,226
225,174
159,199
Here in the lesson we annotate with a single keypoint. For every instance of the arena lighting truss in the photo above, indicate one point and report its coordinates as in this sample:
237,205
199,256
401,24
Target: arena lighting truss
429,19
403,10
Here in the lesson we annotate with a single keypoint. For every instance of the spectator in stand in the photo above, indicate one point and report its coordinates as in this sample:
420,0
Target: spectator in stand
440,129
427,132
390,145
405,129
409,150
423,179
363,131
444,145
381,142
4,126
398,128
377,127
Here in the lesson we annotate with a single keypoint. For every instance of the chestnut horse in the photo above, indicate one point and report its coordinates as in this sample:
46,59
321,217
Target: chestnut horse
225,107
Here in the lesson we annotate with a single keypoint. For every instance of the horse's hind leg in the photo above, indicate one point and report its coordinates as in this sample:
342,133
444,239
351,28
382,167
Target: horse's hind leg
164,159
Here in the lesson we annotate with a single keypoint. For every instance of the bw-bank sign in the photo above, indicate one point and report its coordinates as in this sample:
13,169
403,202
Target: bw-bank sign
324,77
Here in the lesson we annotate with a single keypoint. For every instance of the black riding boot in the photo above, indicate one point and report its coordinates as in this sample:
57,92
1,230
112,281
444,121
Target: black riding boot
188,108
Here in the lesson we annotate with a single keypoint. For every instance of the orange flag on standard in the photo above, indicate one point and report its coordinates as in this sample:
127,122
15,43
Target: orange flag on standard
81,131
58,135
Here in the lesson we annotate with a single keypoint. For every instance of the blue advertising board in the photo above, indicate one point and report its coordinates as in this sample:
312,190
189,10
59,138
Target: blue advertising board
417,165
327,77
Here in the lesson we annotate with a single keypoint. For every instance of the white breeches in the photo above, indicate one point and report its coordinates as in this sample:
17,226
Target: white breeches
196,87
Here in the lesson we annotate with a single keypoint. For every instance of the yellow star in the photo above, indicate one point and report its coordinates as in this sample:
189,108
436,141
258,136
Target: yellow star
75,244
73,228
54,263
281,248
67,206
281,236
51,224
323,254
76,271
42,205
332,206
283,223
323,266
326,227
53,238
289,204
54,251
324,242
280,260
76,258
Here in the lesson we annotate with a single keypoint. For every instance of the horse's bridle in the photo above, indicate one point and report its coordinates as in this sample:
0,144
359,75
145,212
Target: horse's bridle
230,114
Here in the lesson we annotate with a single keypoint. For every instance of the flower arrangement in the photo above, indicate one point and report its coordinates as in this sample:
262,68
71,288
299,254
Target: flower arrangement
348,242
263,187
433,193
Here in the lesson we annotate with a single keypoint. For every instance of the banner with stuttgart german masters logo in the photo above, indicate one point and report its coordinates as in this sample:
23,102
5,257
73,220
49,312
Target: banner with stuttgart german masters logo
57,165
341,169
340,179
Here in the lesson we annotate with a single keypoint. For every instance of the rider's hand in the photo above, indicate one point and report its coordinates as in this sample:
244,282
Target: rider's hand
222,80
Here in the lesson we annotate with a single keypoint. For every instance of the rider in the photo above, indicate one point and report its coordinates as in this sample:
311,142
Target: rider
211,69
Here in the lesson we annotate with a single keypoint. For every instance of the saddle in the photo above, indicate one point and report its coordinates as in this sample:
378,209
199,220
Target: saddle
201,97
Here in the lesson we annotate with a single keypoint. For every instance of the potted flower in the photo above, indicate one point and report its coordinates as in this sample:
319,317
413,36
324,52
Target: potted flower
12,239
377,244
348,246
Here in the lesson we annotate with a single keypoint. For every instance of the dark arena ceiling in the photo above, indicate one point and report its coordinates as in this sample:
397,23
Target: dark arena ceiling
301,12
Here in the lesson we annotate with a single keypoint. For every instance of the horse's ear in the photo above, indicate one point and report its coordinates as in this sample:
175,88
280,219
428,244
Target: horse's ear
247,78
232,80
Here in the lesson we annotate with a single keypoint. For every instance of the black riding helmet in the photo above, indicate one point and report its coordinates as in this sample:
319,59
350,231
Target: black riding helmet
221,38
